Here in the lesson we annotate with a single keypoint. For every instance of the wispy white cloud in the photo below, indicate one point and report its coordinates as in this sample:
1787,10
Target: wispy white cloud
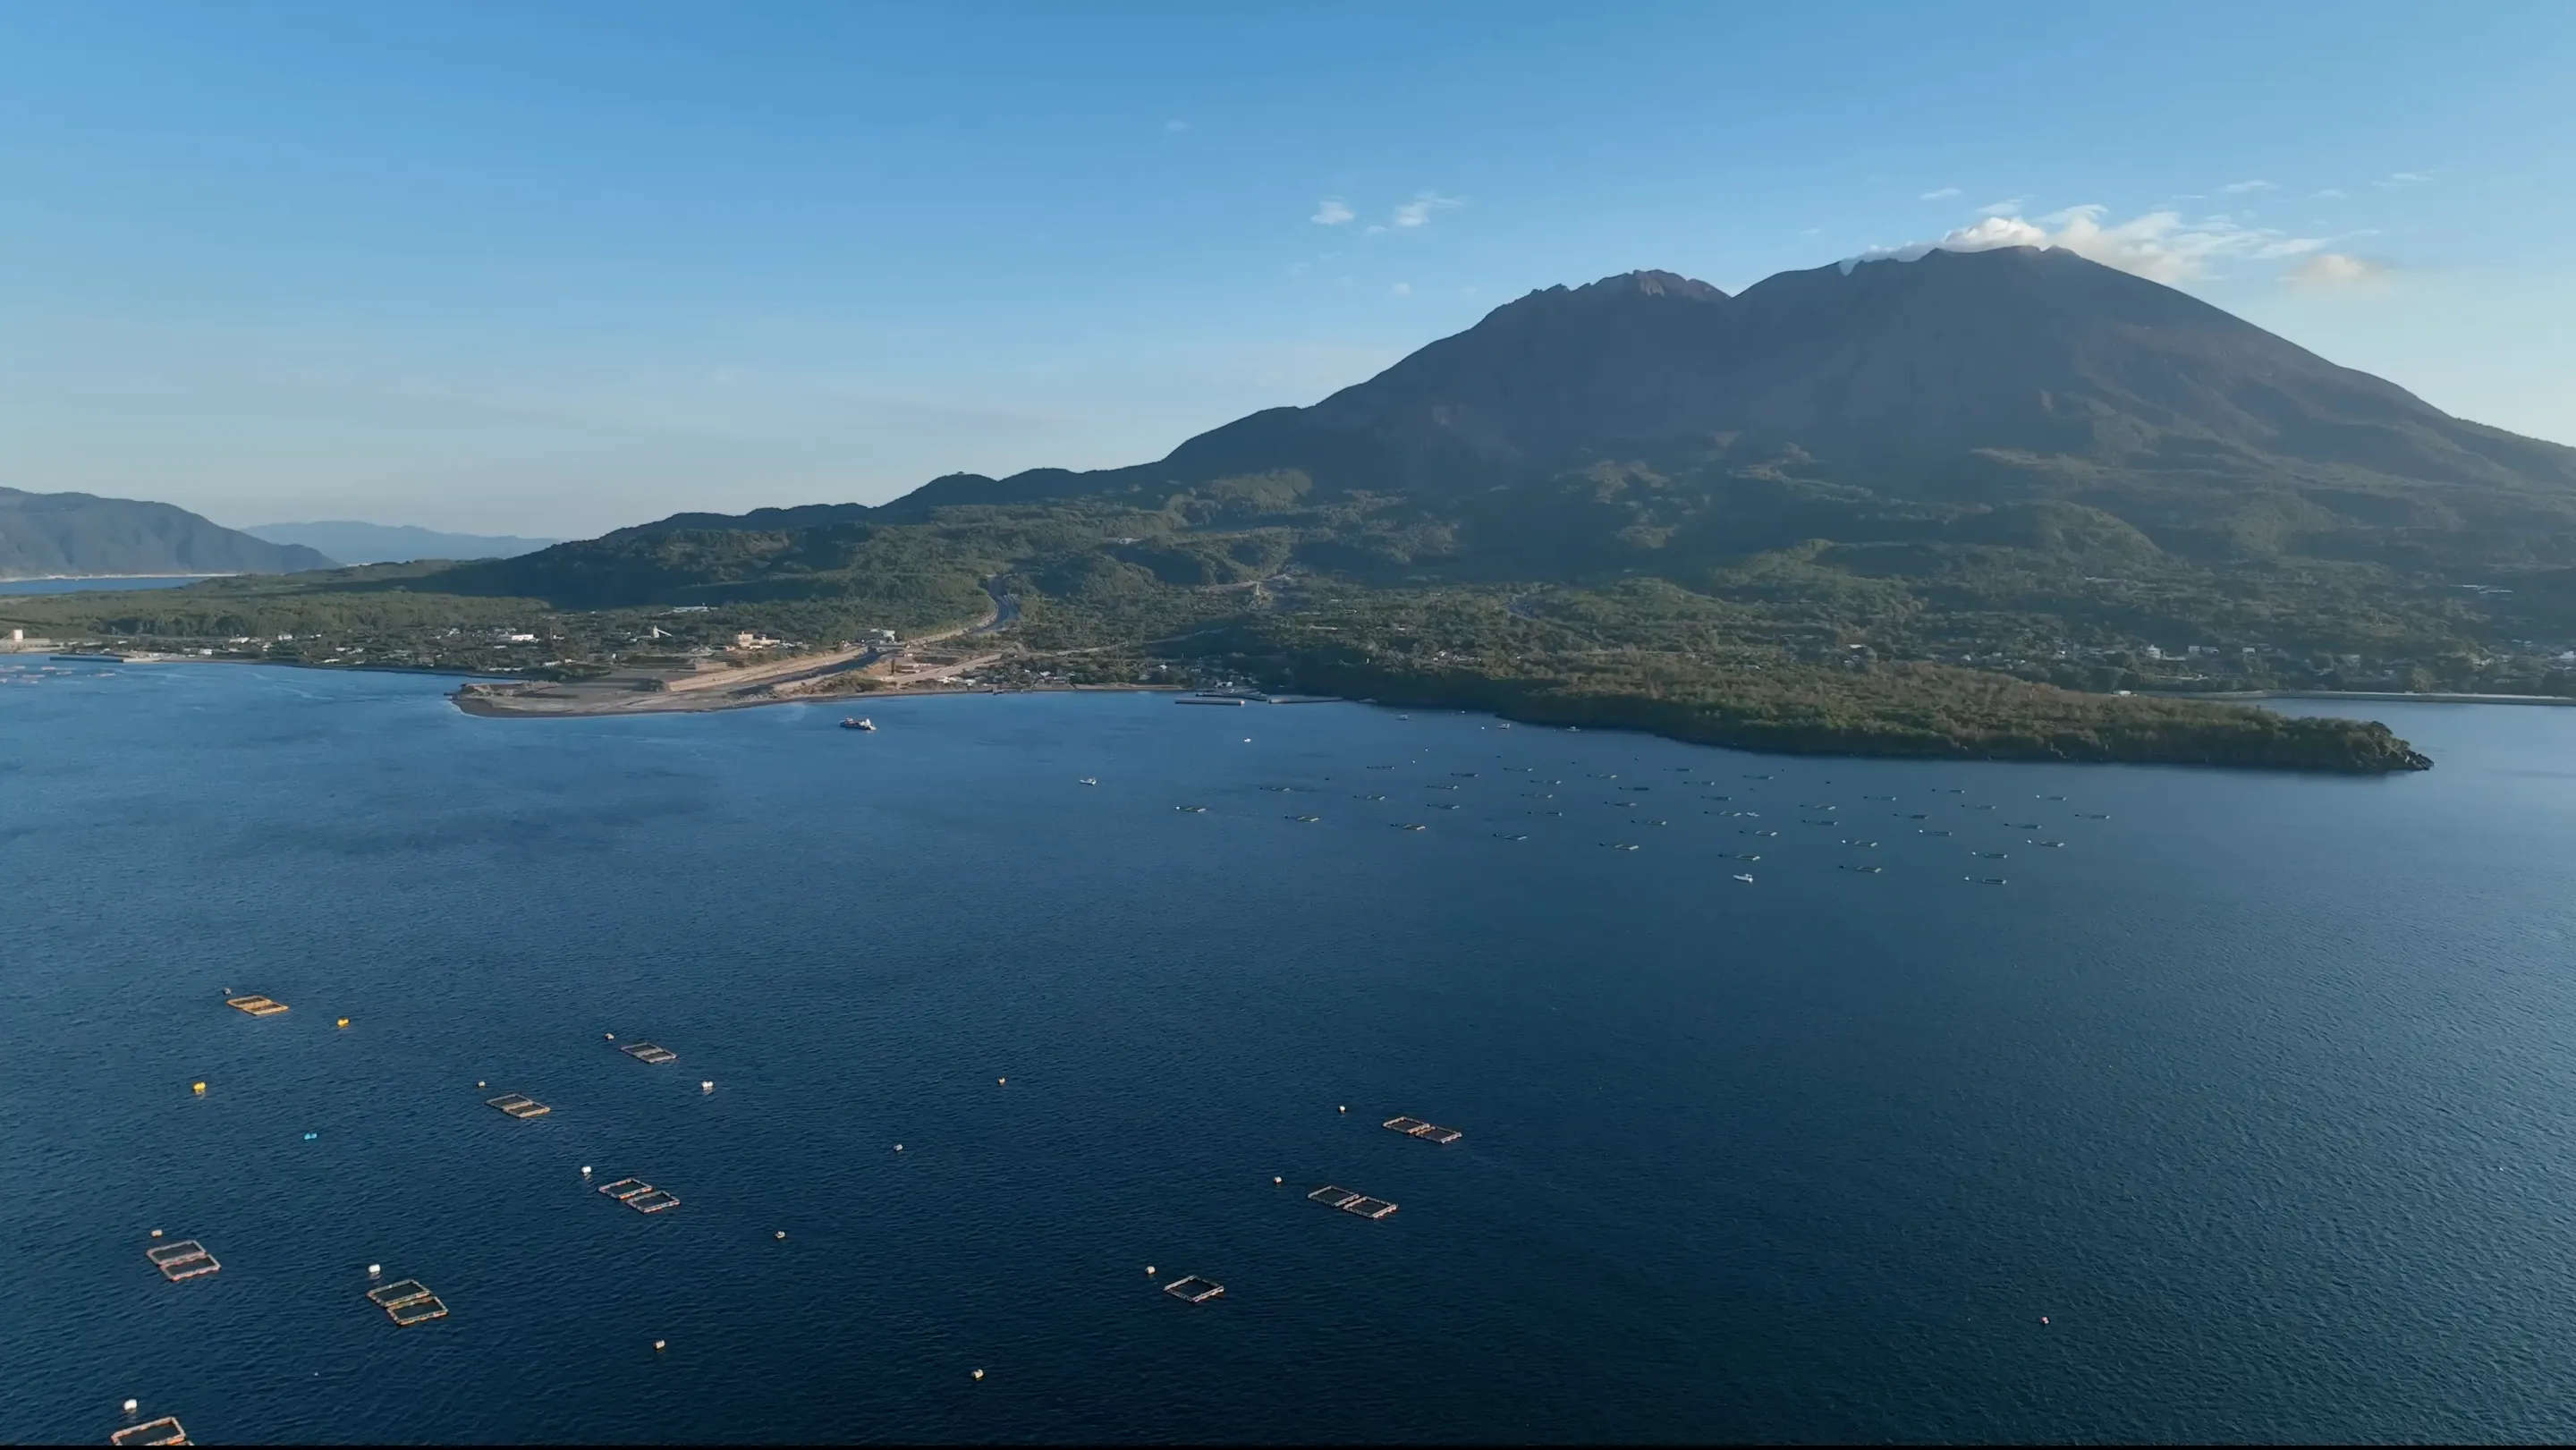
2332,191
1401,289
2160,245
2336,271
2403,178
2239,188
1332,211
1418,212
1939,194
2006,207
1176,125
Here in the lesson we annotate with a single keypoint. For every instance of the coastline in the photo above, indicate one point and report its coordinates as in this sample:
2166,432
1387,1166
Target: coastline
507,698
2393,697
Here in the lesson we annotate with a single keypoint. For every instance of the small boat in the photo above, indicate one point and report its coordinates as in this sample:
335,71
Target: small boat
858,722
1744,876
1866,870
1193,810
1088,780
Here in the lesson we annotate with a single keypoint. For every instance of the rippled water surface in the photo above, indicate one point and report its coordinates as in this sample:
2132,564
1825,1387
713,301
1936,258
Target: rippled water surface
2244,1113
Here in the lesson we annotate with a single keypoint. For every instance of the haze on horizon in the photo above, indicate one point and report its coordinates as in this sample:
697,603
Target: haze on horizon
553,270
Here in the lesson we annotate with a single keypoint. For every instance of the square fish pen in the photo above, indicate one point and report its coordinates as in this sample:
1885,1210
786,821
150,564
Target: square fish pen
255,1005
186,1259
647,1052
408,1302
519,1105
1331,1196
1427,1132
1194,1290
641,1196
164,1431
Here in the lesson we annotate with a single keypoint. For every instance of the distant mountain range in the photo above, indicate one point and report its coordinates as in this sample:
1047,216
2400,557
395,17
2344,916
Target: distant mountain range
43,535
357,543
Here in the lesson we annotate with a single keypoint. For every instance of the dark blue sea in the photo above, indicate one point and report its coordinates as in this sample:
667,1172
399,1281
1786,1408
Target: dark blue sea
2243,1114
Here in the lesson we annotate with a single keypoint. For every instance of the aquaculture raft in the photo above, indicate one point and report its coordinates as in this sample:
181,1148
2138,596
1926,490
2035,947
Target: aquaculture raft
647,1052
255,1005
1428,1132
408,1302
519,1105
1194,1290
1349,1202
186,1259
164,1431
641,1196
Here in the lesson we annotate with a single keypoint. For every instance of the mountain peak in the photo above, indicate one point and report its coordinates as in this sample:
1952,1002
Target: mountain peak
1651,283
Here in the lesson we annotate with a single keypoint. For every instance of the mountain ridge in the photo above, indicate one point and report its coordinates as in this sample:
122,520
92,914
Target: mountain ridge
2003,369
353,542
47,535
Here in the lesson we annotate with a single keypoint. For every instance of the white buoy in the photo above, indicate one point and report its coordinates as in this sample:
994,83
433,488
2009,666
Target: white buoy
611,1036
657,1346
131,1407
1275,1178
1003,1080
585,1170
898,1147
707,1086
156,1233
1149,1268
979,1374
375,1271
1346,1107
782,1233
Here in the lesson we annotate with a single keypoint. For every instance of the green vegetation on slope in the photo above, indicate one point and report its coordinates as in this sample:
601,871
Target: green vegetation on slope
1989,639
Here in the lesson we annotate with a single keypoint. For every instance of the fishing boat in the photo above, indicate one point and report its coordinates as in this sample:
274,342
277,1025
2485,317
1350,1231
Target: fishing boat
858,722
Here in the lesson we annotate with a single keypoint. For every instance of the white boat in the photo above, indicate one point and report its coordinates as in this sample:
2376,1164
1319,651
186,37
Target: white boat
1744,876
858,722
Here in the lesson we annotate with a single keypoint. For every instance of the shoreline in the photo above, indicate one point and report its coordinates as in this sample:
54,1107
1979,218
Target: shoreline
2393,697
473,696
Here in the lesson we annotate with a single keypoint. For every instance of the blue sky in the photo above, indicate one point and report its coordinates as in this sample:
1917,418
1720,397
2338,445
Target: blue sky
556,268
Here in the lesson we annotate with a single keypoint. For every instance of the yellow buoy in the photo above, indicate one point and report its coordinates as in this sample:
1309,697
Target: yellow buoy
198,1088
344,1021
